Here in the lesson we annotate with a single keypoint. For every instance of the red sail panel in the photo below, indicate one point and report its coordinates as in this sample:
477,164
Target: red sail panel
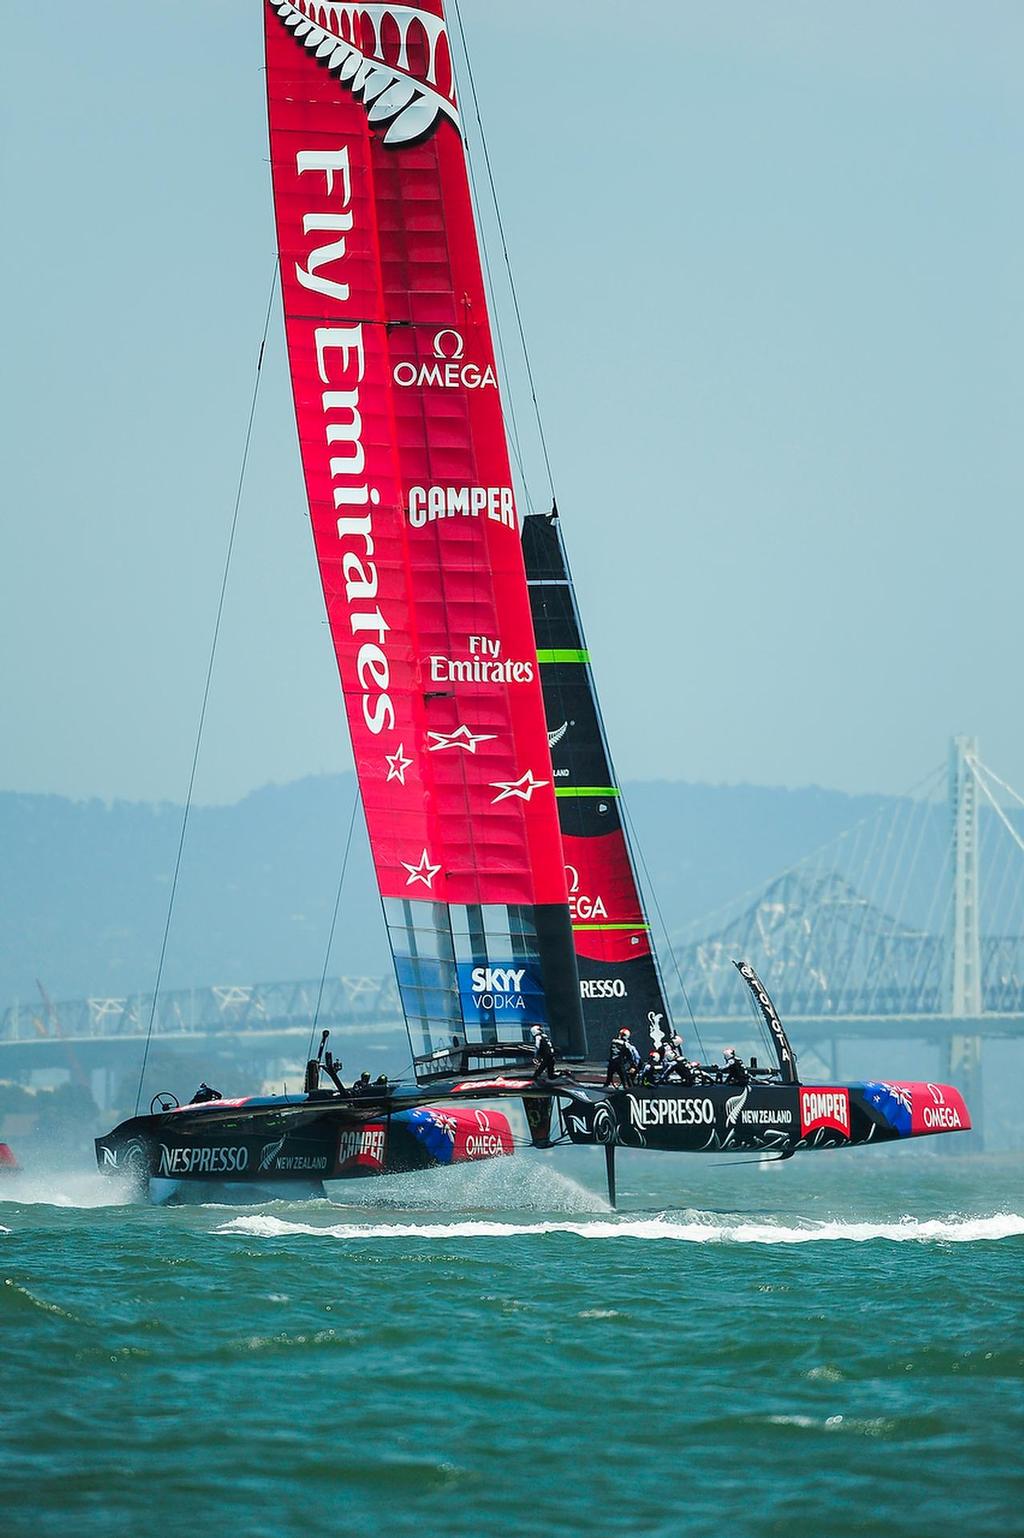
404,454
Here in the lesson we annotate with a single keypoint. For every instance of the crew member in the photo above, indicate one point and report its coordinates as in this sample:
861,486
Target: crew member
623,1059
653,1072
362,1086
679,1071
205,1093
543,1054
734,1071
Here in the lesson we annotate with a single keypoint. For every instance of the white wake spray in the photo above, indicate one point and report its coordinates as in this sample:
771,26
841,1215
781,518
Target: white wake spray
686,1230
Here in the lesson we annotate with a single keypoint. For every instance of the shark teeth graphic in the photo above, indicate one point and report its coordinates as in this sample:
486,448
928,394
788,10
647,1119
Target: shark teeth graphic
411,107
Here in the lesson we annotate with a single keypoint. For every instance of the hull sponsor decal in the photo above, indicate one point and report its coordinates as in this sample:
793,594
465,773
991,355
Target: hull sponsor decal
362,1148
828,1107
220,1160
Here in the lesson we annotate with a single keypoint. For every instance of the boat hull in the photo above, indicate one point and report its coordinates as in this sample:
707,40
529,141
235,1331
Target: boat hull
765,1118
253,1151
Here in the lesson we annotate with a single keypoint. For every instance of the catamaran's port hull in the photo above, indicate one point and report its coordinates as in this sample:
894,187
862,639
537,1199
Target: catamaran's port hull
258,1149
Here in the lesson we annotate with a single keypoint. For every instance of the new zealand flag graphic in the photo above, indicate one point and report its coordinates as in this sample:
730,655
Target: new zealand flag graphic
436,1132
893,1101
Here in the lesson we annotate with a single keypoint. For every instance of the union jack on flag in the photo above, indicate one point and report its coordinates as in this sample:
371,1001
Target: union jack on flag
893,1101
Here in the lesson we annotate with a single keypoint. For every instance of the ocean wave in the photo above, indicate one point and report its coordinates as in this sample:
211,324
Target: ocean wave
694,1229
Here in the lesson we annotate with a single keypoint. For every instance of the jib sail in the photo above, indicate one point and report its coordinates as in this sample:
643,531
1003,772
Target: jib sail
619,977
414,520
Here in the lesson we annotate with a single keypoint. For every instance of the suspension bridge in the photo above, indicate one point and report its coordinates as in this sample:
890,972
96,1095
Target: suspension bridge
908,926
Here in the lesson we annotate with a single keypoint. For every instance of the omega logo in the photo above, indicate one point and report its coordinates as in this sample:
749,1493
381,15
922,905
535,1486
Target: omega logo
449,350
448,370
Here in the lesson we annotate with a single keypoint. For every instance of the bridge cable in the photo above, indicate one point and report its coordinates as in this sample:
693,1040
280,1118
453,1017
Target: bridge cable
885,930
977,763
504,248
186,811
817,853
994,904
334,920
1007,824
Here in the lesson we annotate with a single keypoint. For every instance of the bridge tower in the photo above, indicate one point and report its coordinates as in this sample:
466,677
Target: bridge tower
963,961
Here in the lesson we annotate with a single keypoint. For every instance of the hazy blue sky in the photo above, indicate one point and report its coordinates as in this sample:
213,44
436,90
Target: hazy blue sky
770,261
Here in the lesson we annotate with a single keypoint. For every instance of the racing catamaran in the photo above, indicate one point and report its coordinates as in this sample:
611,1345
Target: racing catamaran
502,859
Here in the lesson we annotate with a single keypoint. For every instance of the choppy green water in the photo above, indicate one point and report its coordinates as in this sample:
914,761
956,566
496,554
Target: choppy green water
833,1346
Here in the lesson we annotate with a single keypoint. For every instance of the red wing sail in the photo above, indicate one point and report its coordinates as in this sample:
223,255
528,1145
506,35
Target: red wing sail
412,509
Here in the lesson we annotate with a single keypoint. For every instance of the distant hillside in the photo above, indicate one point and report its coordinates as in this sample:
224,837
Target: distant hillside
85,884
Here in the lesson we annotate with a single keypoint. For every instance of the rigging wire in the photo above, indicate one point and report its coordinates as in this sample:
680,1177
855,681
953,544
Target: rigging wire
504,249
334,920
664,927
508,404
187,809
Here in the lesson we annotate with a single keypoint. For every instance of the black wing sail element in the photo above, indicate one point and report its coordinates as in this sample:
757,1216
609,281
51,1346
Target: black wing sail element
619,978
770,1015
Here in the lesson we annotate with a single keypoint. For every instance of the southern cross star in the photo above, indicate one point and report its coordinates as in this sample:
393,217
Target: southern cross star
397,765
462,737
424,871
522,789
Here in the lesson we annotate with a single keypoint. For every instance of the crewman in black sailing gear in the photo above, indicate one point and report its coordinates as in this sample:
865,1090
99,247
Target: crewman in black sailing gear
679,1072
652,1071
362,1086
734,1071
205,1093
623,1059
543,1054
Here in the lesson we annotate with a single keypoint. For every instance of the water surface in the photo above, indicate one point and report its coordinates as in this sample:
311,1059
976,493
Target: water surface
832,1345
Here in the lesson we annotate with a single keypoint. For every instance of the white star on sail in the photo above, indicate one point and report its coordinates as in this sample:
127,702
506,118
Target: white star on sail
462,737
523,788
424,871
397,765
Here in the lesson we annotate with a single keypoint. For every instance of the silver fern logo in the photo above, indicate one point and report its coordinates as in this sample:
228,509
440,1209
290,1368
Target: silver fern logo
371,49
269,1154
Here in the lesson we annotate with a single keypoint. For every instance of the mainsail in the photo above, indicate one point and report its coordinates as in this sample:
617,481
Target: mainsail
619,978
414,519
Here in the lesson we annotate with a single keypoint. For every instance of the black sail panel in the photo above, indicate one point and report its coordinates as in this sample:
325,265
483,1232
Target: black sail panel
619,979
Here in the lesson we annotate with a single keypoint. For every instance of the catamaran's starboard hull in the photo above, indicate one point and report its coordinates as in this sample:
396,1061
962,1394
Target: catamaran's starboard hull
764,1118
250,1151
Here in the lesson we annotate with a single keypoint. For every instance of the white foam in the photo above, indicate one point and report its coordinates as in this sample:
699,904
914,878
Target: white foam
493,1184
72,1189
698,1230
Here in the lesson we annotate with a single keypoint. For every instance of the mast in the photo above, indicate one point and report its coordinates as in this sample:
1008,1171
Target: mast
414,519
